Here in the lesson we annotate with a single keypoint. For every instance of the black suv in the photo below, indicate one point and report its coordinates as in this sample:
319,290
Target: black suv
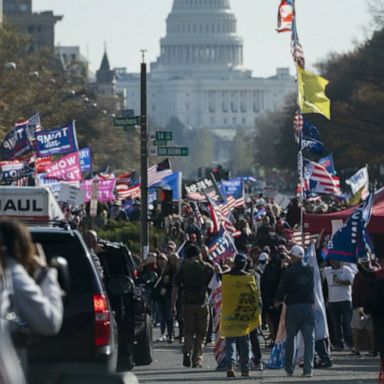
89,331
129,305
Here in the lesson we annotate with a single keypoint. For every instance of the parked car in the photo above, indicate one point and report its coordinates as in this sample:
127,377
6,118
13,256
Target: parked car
129,305
89,331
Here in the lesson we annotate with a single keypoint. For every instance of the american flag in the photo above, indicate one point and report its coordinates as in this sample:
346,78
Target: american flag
219,348
298,122
318,180
296,48
158,171
123,191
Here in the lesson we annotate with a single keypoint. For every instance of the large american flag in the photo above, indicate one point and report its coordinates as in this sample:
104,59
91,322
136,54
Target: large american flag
318,180
158,171
298,122
296,48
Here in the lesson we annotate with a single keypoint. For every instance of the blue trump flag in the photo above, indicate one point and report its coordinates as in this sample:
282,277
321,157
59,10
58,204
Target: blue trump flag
57,141
221,246
327,163
351,242
85,159
16,143
310,139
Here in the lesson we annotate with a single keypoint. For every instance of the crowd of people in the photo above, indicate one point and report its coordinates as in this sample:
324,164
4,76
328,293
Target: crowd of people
180,289
178,277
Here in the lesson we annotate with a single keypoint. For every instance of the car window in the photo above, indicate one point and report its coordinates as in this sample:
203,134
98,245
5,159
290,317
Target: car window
69,247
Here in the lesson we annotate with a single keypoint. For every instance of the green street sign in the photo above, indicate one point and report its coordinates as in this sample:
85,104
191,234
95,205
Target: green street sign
126,121
160,143
172,151
164,135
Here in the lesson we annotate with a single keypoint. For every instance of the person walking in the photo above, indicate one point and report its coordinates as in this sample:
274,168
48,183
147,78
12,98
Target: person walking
296,289
339,280
237,325
193,276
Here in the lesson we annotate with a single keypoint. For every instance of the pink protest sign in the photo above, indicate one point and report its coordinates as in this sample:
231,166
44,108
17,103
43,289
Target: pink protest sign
104,190
67,168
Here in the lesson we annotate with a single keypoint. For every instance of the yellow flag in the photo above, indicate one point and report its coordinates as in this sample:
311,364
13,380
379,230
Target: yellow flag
240,313
312,98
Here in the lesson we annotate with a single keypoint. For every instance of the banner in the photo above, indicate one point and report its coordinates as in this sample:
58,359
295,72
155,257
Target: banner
198,190
311,96
16,143
85,159
42,164
221,246
234,189
67,168
352,241
11,171
56,141
43,181
240,305
360,182
104,190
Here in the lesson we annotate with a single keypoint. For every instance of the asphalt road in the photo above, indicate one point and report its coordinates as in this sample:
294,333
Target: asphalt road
167,368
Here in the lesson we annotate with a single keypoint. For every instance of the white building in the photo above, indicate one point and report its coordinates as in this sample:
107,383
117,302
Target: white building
199,75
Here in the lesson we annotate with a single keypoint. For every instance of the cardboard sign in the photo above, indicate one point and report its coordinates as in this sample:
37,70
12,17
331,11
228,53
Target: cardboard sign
71,195
240,312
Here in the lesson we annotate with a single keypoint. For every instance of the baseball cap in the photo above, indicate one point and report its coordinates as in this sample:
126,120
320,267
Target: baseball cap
263,256
297,251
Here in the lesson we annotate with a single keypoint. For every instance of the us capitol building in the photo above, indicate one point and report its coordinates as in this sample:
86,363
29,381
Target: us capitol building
199,76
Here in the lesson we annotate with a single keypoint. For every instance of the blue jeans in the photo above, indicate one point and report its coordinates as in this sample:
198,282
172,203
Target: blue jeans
300,317
341,317
230,346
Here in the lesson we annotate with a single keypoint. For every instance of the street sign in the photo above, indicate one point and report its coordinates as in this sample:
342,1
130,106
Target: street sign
164,135
128,113
126,121
160,143
172,151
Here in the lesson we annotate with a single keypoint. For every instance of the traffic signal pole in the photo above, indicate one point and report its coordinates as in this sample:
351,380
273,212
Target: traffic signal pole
144,228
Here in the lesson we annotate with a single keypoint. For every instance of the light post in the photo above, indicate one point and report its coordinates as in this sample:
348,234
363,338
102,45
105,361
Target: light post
144,228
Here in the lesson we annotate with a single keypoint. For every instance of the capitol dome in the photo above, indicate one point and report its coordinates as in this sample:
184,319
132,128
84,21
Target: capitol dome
201,39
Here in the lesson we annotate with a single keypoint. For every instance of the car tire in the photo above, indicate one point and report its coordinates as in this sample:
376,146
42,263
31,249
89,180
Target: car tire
143,348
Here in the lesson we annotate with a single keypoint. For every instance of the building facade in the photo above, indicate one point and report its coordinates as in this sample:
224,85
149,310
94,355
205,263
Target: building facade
199,75
40,26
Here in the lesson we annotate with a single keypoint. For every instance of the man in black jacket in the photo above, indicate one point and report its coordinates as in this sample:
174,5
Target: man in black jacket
296,289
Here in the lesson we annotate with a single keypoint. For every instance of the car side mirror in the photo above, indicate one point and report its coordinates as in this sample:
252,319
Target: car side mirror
64,278
120,285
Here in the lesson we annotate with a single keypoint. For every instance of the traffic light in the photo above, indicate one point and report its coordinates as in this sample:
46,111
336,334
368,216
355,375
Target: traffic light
220,173
165,199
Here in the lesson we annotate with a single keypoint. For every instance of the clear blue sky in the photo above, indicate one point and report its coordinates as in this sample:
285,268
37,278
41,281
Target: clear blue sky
130,25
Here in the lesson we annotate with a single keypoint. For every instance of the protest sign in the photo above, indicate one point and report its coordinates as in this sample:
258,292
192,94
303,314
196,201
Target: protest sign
71,195
56,141
240,305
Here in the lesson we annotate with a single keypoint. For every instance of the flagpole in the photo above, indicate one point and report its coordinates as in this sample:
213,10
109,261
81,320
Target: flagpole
144,227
